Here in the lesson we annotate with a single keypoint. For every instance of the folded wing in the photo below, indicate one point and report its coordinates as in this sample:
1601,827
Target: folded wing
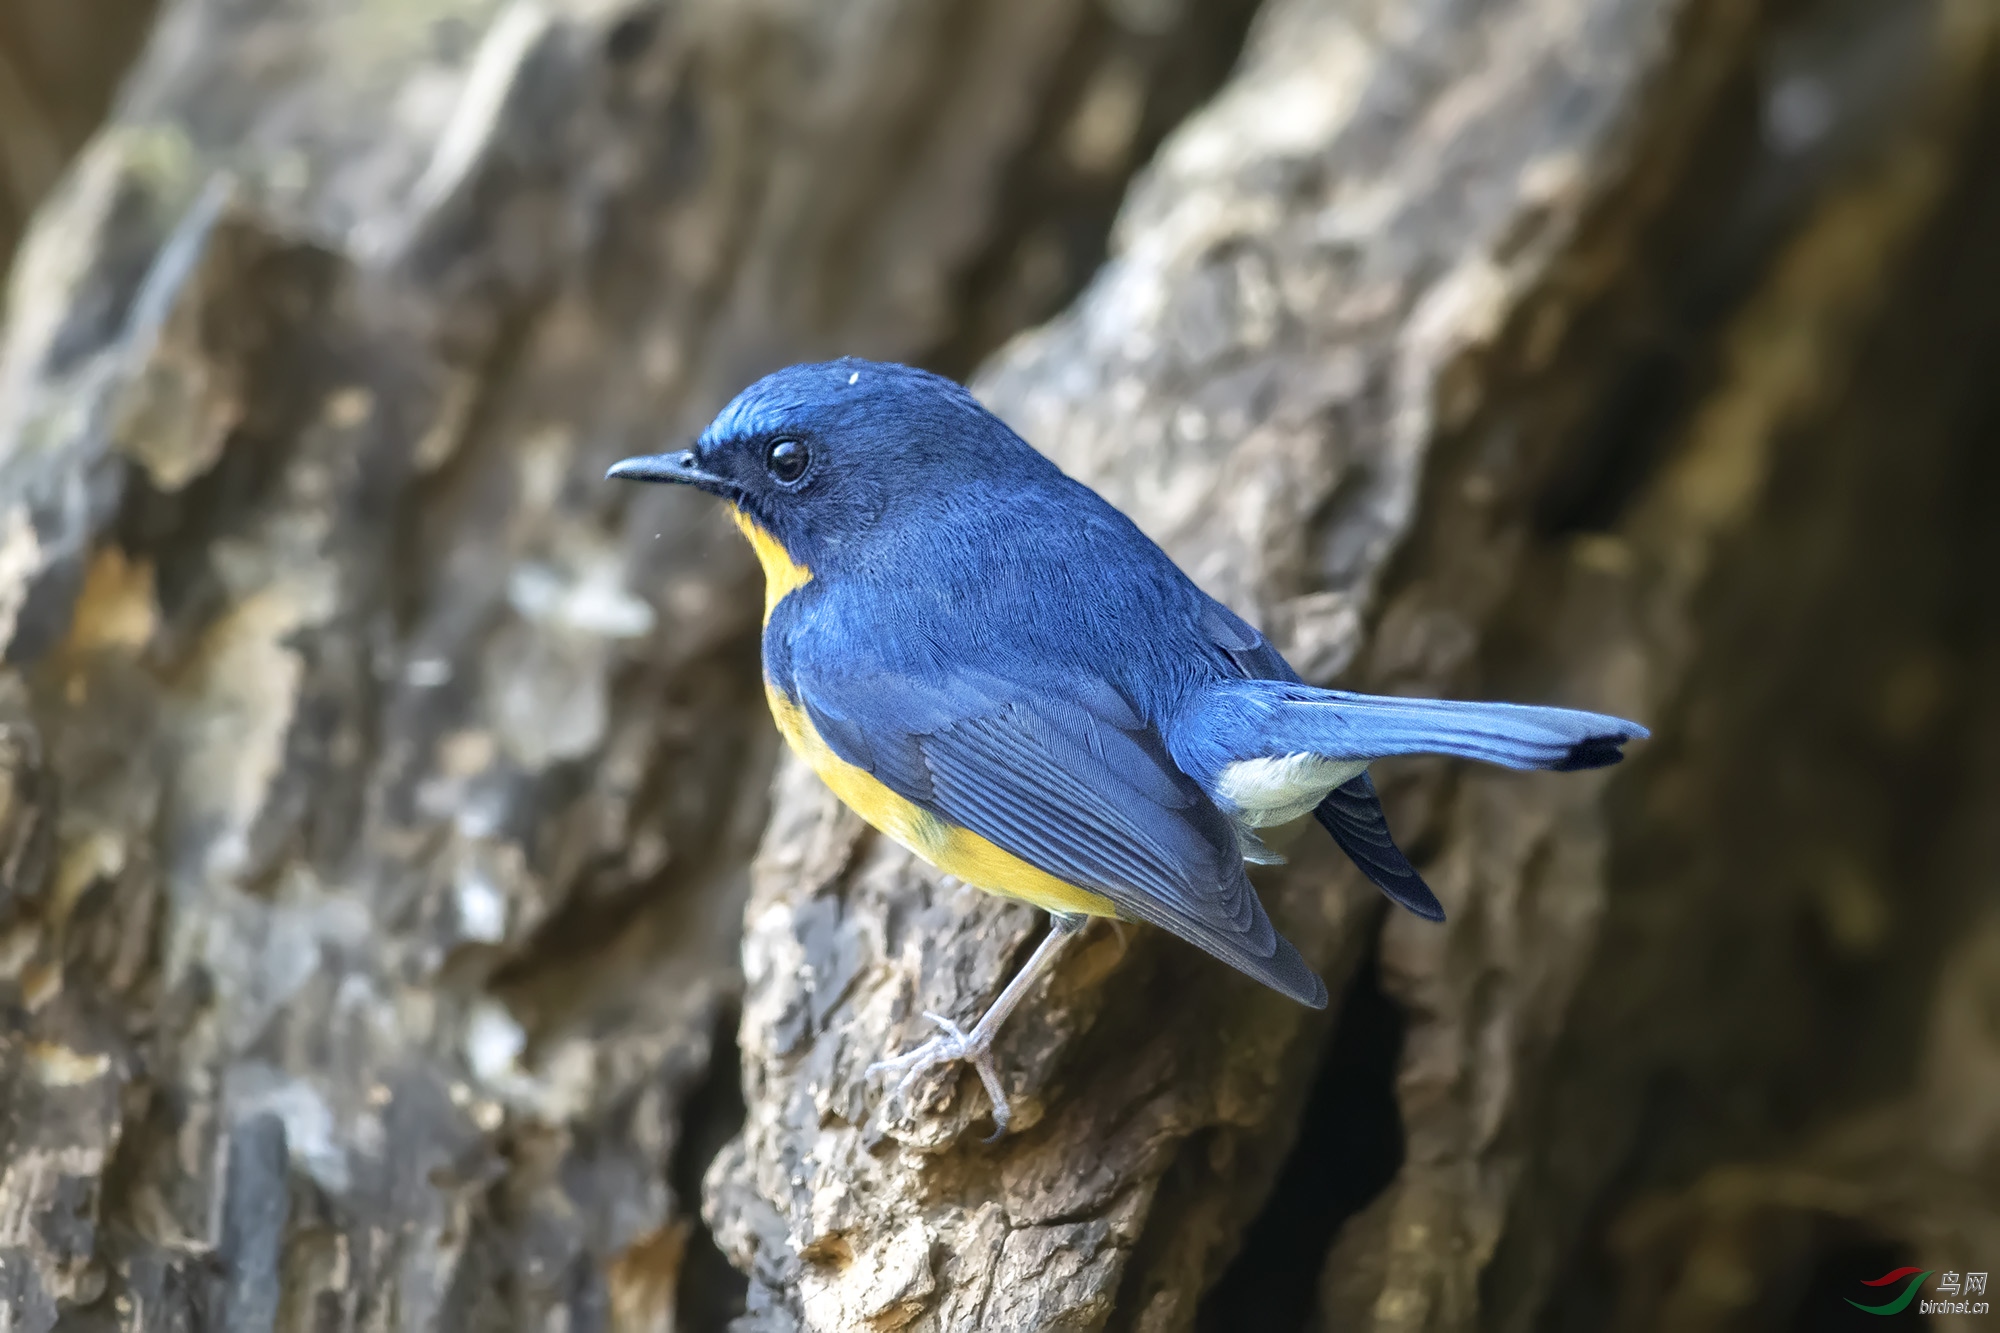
1067,777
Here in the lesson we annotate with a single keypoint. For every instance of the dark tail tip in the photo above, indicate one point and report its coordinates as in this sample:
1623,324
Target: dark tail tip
1592,752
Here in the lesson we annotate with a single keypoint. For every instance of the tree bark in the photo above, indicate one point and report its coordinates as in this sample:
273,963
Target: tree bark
59,65
392,865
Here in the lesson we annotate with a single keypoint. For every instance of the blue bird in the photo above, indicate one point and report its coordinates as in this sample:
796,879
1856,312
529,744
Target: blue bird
998,670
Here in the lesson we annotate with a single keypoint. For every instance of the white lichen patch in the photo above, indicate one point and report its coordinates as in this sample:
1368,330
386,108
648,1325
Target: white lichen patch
493,1042
20,558
481,906
312,1132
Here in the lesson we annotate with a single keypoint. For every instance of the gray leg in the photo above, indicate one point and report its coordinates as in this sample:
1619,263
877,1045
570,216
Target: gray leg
976,1047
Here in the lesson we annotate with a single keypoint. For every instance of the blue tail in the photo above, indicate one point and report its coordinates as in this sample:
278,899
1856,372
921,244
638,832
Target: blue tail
1246,719
1352,813
1243,720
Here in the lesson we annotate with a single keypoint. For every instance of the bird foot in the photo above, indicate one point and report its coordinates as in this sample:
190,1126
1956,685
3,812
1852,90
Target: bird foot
951,1045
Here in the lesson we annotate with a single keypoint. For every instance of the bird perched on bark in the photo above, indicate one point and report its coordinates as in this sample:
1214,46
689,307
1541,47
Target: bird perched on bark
998,670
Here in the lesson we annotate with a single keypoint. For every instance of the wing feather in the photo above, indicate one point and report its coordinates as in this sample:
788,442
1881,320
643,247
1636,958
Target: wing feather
1067,778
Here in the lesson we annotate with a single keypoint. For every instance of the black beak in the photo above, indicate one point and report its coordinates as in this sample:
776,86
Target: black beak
680,467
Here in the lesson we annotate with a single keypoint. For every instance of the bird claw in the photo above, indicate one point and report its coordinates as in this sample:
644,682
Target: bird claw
976,1047
950,1046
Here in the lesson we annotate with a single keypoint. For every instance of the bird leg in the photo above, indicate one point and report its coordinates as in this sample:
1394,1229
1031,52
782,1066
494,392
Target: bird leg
976,1047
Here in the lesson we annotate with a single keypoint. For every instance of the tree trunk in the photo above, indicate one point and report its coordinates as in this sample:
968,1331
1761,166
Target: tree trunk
391,857
59,64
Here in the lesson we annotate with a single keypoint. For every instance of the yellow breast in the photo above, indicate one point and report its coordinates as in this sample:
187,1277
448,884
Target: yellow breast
954,850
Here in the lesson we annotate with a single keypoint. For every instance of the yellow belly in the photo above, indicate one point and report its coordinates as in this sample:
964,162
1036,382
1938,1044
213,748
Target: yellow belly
954,850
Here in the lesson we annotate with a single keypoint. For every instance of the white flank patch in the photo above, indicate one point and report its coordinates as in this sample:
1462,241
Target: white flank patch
1281,788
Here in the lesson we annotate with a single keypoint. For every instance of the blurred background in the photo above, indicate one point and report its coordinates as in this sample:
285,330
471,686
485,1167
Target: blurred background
60,70
407,919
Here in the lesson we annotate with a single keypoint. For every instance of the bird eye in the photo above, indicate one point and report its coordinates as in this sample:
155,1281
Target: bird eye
786,459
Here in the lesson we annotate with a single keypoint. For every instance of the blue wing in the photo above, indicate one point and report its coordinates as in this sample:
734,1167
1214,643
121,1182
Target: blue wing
1066,776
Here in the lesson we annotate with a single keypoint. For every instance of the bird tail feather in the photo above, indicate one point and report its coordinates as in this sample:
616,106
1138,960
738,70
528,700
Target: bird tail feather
1270,718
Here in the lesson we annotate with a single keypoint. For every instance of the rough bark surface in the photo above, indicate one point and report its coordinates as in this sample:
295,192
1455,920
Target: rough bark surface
392,865
381,783
59,64
1309,289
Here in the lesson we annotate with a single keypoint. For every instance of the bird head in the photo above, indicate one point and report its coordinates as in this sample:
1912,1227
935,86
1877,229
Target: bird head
823,456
